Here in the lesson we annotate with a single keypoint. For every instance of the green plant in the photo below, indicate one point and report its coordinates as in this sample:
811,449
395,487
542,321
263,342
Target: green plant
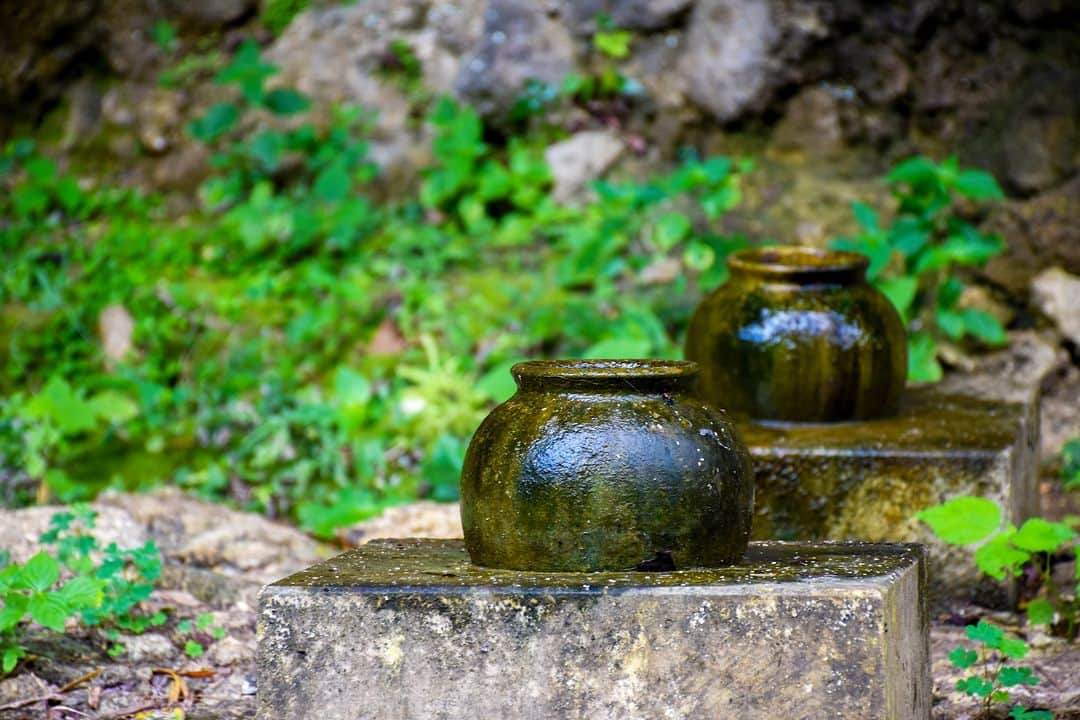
33,591
205,630
277,14
1070,468
163,34
913,260
609,40
1004,552
993,674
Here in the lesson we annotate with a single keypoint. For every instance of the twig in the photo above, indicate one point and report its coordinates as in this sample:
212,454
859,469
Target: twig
52,696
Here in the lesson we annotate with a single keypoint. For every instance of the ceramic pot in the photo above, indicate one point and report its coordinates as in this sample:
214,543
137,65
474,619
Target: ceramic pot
797,334
606,465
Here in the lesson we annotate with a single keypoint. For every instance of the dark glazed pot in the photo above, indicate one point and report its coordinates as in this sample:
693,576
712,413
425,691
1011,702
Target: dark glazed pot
798,335
605,465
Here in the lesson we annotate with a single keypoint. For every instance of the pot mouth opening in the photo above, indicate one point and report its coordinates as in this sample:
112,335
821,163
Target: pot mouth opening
642,374
805,264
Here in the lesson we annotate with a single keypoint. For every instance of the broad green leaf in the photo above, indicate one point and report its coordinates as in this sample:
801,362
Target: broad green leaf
900,290
193,649
1013,648
40,572
333,183
985,633
14,608
351,389
963,658
923,366
998,558
865,215
497,384
671,228
983,326
908,236
48,609
114,407
720,201
949,293
914,171
81,592
11,657
950,322
1040,612
60,404
217,121
962,520
977,185
284,101
1019,712
613,43
1038,535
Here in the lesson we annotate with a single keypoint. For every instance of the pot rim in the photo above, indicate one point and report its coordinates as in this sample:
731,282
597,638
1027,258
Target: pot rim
797,262
609,372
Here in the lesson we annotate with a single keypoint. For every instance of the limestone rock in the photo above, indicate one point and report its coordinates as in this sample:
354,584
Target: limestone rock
580,159
811,124
115,326
520,42
20,529
624,14
1041,231
739,51
423,519
1057,295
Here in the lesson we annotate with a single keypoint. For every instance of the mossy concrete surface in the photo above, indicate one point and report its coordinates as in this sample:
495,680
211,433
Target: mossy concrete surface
866,480
410,629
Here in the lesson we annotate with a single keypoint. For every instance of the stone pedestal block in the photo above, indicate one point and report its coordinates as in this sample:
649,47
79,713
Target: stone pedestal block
410,629
866,480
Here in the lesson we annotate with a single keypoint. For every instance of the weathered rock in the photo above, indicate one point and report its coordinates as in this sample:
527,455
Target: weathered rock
580,159
798,630
520,42
115,326
1057,295
419,519
811,124
866,480
738,52
20,530
210,13
624,14
1039,232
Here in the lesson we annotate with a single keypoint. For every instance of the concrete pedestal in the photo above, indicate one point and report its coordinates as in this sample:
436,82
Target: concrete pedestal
866,480
409,629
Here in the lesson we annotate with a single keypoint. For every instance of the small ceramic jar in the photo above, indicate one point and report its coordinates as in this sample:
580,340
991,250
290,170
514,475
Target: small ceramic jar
606,465
798,335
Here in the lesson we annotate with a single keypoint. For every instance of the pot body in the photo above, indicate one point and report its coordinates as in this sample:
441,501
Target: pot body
798,335
605,470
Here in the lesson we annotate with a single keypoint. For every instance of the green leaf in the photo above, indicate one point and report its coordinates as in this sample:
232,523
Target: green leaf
40,572
1019,712
963,658
1038,535
923,366
193,649
900,291
333,183
977,185
998,558
1040,612
58,403
914,171
962,520
985,633
498,384
1013,648
671,228
114,407
284,101
983,326
217,121
1013,676
950,322
613,43
48,609
865,215
351,389
82,592
15,605
11,657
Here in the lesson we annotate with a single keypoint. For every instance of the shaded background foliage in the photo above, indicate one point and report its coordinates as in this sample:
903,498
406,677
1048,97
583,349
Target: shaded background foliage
284,253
